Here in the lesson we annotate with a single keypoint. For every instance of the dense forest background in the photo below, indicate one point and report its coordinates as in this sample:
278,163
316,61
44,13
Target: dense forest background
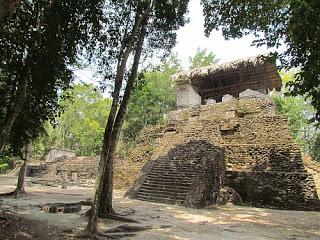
81,125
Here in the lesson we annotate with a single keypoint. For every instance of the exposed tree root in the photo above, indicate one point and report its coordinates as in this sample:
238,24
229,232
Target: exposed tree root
128,228
20,193
115,235
87,213
14,193
9,194
101,236
117,218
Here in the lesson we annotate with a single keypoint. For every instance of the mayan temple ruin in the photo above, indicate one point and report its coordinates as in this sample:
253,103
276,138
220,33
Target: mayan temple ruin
225,133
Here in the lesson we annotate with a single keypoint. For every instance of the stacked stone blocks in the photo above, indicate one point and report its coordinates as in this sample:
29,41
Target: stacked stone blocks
263,163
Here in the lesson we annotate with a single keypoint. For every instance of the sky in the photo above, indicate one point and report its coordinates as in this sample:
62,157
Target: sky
191,36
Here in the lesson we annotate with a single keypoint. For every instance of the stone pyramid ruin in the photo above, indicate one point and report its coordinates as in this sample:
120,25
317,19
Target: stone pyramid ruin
226,133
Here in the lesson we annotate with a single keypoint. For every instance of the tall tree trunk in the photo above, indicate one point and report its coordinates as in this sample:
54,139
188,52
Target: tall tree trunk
22,173
20,99
6,8
125,51
107,193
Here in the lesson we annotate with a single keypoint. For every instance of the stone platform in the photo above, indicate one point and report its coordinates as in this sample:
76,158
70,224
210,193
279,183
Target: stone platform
262,161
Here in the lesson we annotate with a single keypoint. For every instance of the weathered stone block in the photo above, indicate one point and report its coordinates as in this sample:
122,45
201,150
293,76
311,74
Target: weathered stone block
249,93
187,96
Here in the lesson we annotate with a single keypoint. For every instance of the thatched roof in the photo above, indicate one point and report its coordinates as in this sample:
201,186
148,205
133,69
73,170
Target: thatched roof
204,72
231,77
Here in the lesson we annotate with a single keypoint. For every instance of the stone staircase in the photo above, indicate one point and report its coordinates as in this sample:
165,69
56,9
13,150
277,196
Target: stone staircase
169,181
186,175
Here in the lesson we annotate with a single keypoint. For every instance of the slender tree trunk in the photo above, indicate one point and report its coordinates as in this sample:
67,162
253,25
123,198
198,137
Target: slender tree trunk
125,51
106,206
6,8
22,173
20,99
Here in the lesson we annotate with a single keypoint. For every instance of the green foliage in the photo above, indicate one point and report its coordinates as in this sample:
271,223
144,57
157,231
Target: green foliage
119,17
38,44
153,97
155,94
81,126
202,59
4,167
315,148
41,145
293,23
5,162
299,112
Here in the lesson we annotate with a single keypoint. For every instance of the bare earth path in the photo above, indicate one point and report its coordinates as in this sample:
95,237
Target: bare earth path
167,221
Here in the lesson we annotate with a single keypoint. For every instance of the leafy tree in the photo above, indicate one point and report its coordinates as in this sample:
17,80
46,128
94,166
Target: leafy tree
202,59
315,148
155,93
37,46
293,23
134,28
6,9
153,96
80,127
299,112
5,163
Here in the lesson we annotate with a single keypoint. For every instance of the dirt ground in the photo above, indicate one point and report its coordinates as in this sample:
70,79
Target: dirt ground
22,218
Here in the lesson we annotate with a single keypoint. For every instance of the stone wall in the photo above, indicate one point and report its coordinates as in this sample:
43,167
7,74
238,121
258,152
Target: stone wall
258,148
66,169
80,168
187,96
268,157
283,190
55,153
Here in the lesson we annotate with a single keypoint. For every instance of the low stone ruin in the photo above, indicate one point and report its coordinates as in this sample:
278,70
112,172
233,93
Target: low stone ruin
64,167
70,170
55,153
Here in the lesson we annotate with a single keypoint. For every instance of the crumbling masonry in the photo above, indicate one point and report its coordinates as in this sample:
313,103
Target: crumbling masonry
240,142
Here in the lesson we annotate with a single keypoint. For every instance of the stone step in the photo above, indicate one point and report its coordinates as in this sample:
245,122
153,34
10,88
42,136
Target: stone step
174,168
151,182
163,195
166,182
169,178
169,174
169,187
190,170
166,192
175,165
182,158
187,172
181,161
173,177
159,200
